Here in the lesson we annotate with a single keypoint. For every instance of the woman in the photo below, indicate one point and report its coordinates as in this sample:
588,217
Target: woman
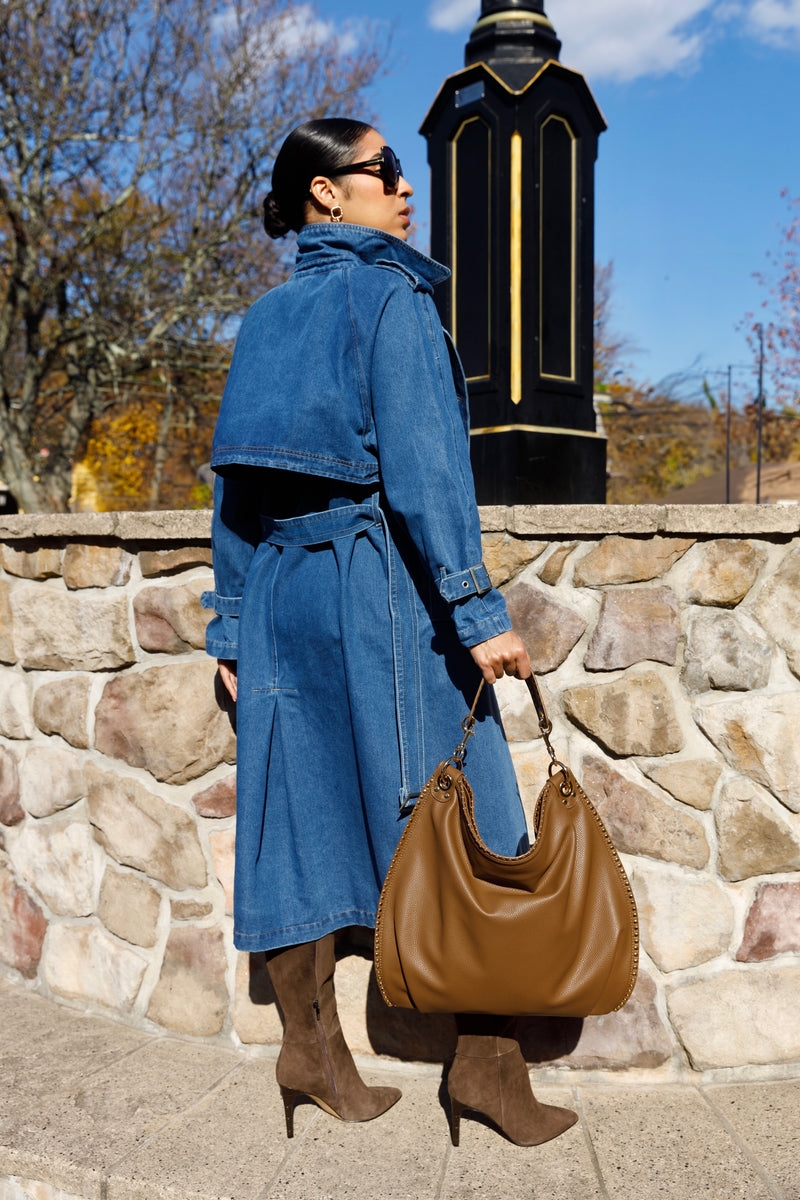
349,586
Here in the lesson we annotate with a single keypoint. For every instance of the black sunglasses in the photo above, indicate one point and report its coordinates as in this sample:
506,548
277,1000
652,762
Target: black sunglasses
387,162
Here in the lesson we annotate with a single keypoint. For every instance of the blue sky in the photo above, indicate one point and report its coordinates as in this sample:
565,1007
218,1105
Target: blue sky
702,99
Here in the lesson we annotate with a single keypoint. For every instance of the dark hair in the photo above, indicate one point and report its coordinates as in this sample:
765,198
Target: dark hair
314,148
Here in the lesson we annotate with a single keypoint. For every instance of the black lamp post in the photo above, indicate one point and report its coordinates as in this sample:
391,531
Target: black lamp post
512,141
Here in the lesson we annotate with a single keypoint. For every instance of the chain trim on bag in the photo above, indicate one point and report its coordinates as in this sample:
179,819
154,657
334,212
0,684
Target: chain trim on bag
387,883
581,795
568,787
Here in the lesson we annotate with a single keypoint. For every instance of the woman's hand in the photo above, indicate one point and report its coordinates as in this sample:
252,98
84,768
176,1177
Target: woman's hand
502,655
227,673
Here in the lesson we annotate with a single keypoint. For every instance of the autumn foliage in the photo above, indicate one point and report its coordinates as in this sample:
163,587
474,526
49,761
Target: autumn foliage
658,440
136,141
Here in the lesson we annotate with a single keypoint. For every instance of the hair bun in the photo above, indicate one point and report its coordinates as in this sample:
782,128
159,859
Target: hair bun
275,222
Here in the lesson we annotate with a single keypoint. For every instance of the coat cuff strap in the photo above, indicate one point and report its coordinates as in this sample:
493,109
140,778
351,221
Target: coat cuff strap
224,606
474,581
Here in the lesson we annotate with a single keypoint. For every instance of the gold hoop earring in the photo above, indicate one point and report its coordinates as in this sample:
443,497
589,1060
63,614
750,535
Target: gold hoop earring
337,212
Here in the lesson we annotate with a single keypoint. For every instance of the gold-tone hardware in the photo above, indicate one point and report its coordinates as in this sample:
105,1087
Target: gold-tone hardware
468,727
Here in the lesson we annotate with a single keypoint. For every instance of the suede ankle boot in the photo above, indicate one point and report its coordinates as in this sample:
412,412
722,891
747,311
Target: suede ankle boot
315,1061
489,1075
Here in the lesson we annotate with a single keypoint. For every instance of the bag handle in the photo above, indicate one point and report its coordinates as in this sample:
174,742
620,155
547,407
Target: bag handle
545,727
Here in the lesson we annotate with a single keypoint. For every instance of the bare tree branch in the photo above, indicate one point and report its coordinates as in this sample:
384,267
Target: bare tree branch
136,137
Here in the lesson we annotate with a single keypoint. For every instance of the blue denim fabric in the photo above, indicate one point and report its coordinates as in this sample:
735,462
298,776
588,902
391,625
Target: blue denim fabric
350,619
349,695
345,372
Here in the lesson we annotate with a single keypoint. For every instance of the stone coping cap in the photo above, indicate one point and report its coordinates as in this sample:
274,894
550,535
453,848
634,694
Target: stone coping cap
185,525
530,520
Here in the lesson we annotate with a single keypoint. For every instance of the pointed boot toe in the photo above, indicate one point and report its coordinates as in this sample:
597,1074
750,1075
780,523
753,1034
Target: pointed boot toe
315,1062
489,1076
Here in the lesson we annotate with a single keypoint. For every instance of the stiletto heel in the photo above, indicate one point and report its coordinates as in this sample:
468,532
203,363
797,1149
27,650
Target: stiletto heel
489,1076
289,1097
456,1110
315,1062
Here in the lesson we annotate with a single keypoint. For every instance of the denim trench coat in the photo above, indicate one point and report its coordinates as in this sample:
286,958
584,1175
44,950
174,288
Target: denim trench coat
348,582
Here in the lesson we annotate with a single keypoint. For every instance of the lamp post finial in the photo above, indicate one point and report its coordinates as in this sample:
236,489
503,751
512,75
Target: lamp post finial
514,38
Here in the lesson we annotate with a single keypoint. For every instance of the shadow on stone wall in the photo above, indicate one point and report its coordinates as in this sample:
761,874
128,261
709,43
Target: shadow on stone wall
413,1036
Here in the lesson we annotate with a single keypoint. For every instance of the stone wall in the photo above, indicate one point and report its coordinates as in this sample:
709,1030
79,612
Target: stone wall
668,642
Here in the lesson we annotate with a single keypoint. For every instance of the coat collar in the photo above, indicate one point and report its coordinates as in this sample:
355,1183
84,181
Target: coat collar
320,245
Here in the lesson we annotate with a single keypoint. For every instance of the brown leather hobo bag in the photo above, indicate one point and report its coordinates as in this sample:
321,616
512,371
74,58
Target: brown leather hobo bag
553,931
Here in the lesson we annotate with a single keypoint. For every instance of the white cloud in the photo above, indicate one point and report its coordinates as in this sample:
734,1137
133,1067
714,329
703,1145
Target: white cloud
775,21
453,14
290,32
627,39
300,27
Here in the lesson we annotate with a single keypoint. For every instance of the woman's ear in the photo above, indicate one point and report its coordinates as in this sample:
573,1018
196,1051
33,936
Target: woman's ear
324,193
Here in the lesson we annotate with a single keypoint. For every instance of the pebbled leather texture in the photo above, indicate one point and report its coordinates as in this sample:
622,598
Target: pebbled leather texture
552,932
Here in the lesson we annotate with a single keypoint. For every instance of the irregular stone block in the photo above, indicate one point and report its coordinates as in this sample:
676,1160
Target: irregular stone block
505,555
757,734
548,629
83,963
516,708
724,572
691,781
222,853
684,921
7,652
129,906
752,838
725,652
191,995
629,560
773,923
190,910
16,719
165,562
141,830
42,563
641,823
167,720
218,800
87,566
255,1009
738,1018
63,863
11,811
170,620
531,771
62,707
778,607
551,571
630,715
635,625
51,779
22,926
636,1036
60,631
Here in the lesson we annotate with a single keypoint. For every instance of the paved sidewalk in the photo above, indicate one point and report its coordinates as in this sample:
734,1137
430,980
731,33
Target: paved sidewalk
91,1109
